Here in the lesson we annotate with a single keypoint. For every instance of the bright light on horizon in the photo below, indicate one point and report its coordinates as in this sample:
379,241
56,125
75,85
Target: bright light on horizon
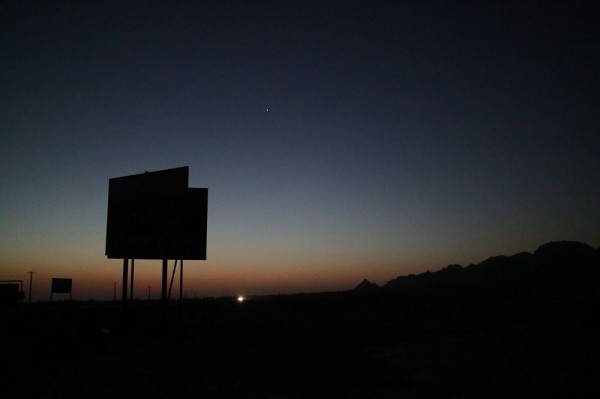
240,299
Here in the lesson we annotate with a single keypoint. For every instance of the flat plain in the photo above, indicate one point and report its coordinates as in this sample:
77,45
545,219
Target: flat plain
379,344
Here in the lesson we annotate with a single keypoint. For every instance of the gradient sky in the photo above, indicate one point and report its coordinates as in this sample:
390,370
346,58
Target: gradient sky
339,140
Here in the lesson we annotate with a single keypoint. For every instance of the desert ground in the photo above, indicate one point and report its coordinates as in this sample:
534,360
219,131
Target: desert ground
345,344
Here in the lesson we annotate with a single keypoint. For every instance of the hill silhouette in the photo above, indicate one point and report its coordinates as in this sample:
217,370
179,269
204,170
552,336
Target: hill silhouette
366,285
552,270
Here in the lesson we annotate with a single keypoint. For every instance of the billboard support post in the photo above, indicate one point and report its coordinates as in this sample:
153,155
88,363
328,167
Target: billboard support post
172,279
165,265
131,284
181,281
125,272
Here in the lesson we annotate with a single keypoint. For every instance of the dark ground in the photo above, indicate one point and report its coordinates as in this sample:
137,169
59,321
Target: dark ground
346,345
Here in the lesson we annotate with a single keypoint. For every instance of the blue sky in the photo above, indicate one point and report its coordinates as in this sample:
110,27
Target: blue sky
339,140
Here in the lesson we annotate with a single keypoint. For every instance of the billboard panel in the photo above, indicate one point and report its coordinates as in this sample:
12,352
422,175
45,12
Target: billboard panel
148,185
9,293
61,285
156,216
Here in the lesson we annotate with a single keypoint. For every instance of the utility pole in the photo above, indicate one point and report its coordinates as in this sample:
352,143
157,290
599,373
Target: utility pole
30,284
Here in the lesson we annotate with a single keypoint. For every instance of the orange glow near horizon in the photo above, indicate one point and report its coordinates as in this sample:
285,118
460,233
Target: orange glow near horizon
201,278
225,273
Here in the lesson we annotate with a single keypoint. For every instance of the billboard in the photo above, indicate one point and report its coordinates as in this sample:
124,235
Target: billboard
155,215
61,285
10,293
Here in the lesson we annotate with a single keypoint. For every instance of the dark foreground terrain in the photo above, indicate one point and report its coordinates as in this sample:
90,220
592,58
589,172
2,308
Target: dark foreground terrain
370,345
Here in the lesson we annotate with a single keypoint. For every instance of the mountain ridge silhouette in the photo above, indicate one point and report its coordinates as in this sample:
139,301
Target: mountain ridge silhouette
554,269
366,285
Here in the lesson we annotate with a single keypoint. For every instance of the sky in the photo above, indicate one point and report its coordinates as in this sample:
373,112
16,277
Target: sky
339,140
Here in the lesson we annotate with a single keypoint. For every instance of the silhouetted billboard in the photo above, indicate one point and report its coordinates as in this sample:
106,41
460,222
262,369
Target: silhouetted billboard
155,215
61,285
10,293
